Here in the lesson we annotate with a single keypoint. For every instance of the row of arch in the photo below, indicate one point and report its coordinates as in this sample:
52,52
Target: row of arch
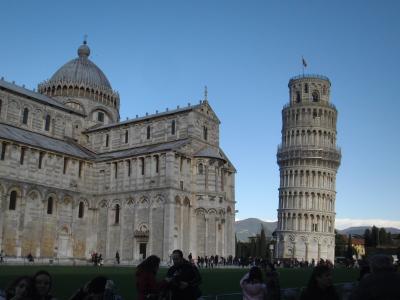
50,202
307,201
100,95
306,222
293,117
309,137
307,178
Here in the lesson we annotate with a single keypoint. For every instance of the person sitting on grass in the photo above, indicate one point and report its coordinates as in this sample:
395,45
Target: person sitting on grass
382,283
252,285
320,285
19,289
146,284
42,284
99,288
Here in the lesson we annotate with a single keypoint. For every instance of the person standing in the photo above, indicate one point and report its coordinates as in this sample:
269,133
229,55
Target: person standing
117,257
1,256
183,278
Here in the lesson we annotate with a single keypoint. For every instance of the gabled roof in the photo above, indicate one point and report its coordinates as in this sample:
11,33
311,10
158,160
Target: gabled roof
37,140
36,96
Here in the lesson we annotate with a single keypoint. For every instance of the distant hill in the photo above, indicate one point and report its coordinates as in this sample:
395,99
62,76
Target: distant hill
252,226
361,229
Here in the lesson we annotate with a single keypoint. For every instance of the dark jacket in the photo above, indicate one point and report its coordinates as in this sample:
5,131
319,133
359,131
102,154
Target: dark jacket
273,286
185,272
318,294
147,286
378,286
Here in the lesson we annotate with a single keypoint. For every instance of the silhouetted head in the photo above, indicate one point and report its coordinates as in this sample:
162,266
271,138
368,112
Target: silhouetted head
150,264
321,277
42,283
177,257
255,275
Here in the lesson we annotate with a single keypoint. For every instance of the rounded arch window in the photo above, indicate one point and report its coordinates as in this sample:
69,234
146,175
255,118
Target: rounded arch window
81,210
201,169
50,203
117,211
13,200
315,96
298,98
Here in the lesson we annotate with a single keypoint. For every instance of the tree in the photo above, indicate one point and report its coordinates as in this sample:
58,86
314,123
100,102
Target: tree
367,237
349,251
382,236
340,244
374,236
263,244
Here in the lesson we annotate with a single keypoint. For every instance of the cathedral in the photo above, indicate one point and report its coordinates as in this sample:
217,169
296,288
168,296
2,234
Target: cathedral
75,180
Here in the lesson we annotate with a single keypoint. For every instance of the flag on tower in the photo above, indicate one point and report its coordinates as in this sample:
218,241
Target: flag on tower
304,62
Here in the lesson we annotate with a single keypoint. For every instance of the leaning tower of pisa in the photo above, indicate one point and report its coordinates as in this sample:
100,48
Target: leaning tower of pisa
308,160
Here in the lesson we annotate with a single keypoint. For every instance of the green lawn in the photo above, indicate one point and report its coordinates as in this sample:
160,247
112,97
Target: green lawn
216,281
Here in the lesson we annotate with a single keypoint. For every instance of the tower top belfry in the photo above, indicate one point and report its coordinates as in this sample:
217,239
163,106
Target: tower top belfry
309,88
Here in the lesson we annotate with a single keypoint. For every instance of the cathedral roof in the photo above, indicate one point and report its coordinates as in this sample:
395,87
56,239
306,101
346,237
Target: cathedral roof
35,96
81,70
37,140
210,153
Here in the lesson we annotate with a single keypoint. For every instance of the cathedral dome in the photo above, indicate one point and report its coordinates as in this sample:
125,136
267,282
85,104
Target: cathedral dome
82,70
80,78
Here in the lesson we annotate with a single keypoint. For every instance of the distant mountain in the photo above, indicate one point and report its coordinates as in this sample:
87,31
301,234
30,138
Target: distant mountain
251,227
361,229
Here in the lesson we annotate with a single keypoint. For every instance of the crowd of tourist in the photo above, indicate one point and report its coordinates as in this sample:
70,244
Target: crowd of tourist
378,279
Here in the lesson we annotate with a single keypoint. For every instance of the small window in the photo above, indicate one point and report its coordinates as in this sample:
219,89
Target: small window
315,96
21,159
81,210
128,166
173,127
126,136
50,206
13,200
107,140
148,132
157,164
181,165
306,88
3,150
1,104
298,98
41,155
142,165
205,133
181,183
100,116
65,165
117,214
80,169
115,169
47,123
201,169
25,116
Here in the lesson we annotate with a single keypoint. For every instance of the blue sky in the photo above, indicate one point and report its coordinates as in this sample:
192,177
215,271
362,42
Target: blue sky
160,54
